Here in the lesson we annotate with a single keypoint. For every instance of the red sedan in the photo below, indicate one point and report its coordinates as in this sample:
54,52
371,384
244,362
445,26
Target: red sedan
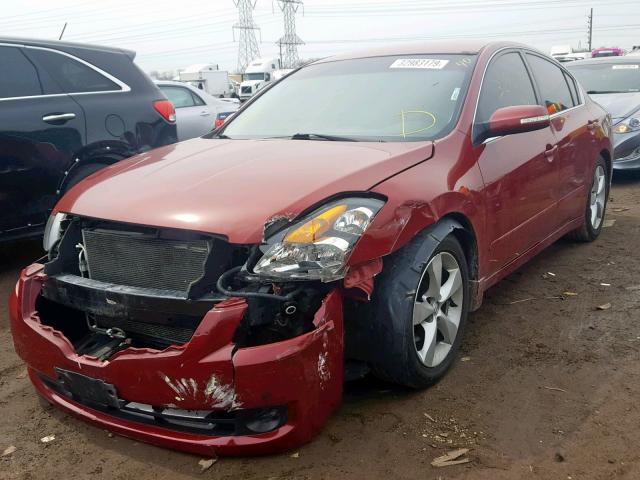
209,296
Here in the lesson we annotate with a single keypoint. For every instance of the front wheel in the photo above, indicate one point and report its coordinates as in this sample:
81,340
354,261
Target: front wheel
596,205
419,311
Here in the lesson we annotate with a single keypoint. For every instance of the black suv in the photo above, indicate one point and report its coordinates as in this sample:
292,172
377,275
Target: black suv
66,111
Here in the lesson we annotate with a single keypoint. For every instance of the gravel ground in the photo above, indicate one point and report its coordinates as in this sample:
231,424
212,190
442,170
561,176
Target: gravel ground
546,387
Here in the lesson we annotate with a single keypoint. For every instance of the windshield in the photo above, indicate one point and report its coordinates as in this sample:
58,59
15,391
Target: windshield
254,76
371,99
608,77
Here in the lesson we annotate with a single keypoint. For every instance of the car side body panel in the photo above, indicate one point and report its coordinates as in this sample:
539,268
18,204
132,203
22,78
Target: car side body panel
106,127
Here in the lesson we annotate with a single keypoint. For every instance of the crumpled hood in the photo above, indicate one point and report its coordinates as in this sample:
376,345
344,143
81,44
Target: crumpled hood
232,187
619,105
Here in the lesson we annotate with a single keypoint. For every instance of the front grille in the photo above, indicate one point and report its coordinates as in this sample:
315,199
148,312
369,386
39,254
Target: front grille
144,260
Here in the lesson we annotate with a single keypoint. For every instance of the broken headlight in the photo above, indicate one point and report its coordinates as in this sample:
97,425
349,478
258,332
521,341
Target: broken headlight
53,231
318,246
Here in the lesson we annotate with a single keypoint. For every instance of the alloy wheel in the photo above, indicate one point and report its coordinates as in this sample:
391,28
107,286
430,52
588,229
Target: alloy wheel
437,309
597,198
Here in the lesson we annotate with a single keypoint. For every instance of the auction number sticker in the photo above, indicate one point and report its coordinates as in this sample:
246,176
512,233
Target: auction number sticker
425,63
626,67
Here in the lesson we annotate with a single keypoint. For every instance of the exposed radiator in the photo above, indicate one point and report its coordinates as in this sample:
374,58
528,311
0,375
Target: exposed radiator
145,261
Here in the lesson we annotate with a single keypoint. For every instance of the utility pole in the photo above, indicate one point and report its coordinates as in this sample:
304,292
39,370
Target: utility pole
248,49
590,23
290,40
63,30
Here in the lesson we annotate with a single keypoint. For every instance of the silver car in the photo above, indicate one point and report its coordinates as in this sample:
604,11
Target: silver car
197,112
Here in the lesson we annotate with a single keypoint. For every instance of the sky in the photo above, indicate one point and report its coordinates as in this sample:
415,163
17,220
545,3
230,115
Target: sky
173,34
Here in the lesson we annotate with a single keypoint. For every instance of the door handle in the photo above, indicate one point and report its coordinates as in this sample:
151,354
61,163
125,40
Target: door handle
204,113
550,152
58,117
592,124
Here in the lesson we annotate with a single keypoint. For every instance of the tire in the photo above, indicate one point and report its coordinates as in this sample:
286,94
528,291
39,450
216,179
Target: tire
599,192
395,340
80,173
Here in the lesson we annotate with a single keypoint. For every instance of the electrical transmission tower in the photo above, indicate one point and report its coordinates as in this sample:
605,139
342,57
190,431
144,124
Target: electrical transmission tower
248,49
290,41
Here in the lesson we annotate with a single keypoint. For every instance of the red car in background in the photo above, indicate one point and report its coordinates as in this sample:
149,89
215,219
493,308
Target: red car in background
607,52
206,296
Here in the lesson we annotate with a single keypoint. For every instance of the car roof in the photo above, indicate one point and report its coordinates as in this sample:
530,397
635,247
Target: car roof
468,47
595,61
69,47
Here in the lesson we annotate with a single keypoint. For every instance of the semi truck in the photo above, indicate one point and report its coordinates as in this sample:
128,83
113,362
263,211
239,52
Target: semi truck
258,75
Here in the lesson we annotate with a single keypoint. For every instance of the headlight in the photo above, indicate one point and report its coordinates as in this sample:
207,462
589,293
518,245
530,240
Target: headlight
317,247
53,230
629,125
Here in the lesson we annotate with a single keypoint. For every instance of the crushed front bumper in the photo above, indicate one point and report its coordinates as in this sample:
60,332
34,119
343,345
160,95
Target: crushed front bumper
301,377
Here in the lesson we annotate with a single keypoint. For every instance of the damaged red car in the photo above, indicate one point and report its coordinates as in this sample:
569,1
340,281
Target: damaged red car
210,296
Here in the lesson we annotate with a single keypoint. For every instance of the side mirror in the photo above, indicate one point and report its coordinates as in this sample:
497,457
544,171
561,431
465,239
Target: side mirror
518,119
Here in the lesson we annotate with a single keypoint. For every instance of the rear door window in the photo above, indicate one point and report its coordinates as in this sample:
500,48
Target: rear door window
180,97
506,84
71,75
553,85
18,76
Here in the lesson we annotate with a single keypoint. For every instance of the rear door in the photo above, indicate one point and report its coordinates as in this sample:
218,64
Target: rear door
194,117
40,129
519,170
569,121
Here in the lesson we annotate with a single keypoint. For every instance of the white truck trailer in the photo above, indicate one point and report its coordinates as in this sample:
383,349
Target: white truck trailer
207,77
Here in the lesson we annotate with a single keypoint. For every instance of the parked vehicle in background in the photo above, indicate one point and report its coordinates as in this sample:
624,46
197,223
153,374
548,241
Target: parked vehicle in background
197,112
258,75
67,110
212,303
607,52
208,78
615,84
566,53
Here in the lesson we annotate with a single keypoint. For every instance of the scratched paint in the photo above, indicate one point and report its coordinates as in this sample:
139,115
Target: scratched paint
221,396
218,395
183,387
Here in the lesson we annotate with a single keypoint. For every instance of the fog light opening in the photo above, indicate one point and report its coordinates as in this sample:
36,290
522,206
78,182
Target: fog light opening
266,420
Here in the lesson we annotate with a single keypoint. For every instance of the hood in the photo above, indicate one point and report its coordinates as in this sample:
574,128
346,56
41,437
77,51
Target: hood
619,105
232,187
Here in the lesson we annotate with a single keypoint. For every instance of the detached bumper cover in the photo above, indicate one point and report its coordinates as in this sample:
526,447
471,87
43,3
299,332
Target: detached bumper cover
303,375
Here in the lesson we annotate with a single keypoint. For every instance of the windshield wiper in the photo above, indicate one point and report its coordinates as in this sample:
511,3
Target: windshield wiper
592,92
319,136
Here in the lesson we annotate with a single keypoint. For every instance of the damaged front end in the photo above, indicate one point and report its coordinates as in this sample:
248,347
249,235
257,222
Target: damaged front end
171,337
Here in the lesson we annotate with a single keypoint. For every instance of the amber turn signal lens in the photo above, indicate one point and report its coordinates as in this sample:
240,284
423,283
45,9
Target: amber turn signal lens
314,228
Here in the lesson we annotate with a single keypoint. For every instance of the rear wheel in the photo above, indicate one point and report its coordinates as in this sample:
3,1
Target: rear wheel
596,205
419,311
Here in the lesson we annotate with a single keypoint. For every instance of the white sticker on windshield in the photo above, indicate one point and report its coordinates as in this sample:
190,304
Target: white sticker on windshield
454,95
428,63
625,67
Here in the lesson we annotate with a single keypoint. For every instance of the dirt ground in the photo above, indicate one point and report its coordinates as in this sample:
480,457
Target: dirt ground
546,387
